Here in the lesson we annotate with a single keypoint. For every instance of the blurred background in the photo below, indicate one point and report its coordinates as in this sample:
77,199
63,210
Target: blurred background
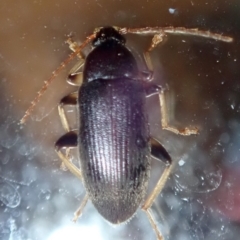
201,200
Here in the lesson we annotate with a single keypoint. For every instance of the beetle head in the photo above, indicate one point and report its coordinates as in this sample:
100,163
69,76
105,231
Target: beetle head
105,34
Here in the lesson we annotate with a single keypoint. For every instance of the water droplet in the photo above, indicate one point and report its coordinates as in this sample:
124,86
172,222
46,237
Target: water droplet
172,10
181,162
9,195
44,195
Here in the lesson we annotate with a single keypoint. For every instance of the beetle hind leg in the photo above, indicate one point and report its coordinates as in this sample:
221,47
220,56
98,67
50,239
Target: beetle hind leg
160,153
66,142
79,211
153,223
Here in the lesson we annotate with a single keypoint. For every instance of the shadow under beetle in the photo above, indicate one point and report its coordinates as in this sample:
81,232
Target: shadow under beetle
113,137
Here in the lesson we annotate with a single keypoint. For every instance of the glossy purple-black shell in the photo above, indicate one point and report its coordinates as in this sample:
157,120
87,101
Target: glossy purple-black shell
113,133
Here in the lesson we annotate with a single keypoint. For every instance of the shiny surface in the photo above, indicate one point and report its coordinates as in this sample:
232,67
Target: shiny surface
113,146
110,60
113,139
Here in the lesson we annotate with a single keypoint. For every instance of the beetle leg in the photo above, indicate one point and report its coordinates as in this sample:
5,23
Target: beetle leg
152,89
70,99
147,75
75,76
153,224
156,40
185,131
78,213
68,141
75,79
74,46
159,153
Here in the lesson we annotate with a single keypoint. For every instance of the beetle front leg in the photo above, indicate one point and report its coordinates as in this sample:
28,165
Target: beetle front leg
160,153
75,79
75,74
156,40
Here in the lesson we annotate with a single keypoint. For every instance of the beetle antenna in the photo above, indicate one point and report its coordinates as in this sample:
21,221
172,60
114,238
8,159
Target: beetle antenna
176,30
54,75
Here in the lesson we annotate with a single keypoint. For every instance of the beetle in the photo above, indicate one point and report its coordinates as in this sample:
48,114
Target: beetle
113,137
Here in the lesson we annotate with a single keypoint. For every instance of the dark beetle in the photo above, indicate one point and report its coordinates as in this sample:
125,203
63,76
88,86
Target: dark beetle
113,138
114,134
114,143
